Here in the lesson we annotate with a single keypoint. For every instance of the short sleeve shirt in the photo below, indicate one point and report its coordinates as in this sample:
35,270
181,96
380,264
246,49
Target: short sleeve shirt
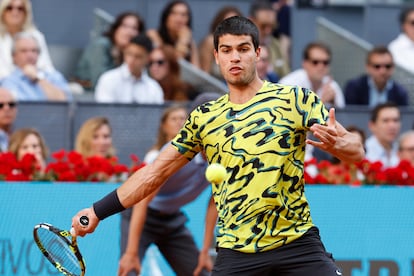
261,203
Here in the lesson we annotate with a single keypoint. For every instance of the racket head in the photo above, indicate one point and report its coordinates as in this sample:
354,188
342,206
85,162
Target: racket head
60,248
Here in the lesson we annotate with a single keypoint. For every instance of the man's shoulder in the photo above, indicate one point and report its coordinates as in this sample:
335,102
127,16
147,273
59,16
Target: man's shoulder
293,76
361,80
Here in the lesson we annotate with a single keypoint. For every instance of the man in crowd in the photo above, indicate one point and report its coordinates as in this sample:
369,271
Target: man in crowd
130,82
8,112
27,81
385,125
406,146
377,85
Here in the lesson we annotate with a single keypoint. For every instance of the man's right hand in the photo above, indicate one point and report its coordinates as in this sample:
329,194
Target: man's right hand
82,230
129,262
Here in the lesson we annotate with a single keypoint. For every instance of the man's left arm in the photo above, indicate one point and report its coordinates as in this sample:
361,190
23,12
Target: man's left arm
336,140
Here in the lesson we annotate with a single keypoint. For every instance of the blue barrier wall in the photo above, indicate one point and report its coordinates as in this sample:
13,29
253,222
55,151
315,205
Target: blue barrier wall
368,229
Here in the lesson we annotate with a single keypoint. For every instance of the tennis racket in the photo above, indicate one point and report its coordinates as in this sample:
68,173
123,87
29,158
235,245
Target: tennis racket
61,248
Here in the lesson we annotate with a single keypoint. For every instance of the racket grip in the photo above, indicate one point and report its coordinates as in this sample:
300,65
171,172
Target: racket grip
84,221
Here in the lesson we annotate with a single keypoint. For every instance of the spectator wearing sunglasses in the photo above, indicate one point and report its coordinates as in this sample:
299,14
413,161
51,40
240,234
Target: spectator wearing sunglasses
315,75
377,85
15,17
28,82
8,112
402,47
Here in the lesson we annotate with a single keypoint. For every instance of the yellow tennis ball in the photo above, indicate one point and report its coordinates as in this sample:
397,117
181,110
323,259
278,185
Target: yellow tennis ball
215,173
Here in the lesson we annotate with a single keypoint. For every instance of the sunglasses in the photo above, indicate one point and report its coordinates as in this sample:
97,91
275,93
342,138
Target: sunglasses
159,62
316,62
10,104
18,8
387,66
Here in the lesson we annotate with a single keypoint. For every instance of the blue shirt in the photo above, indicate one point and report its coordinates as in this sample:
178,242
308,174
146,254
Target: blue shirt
26,90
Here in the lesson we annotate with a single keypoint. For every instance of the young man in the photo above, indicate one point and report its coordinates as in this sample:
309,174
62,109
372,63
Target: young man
258,132
377,85
130,83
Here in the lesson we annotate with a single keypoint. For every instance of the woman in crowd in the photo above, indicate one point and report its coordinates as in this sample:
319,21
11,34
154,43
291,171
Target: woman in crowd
206,46
175,30
164,68
105,52
16,16
29,141
95,138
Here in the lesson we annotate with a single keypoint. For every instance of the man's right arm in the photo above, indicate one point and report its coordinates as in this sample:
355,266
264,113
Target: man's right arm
141,184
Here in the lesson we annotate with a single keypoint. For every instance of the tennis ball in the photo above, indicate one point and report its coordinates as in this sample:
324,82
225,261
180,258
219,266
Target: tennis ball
215,173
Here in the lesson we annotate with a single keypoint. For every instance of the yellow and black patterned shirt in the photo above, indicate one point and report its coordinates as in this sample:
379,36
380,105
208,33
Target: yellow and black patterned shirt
261,204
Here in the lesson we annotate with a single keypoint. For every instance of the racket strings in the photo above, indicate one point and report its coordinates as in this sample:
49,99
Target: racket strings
59,251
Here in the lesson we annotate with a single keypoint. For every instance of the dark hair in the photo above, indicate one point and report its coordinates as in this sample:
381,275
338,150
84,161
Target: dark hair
377,109
259,5
404,14
378,50
143,41
221,14
162,29
237,25
110,33
312,45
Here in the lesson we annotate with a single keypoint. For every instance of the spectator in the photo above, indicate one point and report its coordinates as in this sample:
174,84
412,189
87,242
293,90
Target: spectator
105,52
206,47
130,83
29,82
164,68
264,68
402,47
8,112
385,124
377,85
15,17
406,146
29,141
263,15
282,31
175,30
314,75
94,138
159,219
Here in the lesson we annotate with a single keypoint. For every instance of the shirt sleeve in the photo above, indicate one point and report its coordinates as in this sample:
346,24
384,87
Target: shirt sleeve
103,91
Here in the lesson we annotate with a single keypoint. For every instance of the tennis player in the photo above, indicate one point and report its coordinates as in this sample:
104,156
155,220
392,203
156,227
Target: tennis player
258,132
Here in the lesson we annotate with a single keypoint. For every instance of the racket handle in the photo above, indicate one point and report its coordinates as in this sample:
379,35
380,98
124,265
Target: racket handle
84,221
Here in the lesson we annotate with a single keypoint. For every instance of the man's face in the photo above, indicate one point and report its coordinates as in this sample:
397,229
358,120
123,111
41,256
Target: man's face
317,65
26,52
8,109
136,57
406,150
387,126
408,26
237,59
380,67
265,21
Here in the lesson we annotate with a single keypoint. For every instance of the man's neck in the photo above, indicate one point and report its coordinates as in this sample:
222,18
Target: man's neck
242,94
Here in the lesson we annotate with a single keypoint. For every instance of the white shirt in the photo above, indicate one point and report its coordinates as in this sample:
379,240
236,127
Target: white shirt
376,152
44,61
300,78
402,50
120,86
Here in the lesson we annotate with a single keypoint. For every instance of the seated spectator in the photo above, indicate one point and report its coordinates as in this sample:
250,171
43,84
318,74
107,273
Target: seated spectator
206,47
29,140
402,47
406,146
175,30
130,82
283,10
314,75
29,82
377,85
264,68
164,68
385,125
15,17
263,15
8,112
105,52
94,138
